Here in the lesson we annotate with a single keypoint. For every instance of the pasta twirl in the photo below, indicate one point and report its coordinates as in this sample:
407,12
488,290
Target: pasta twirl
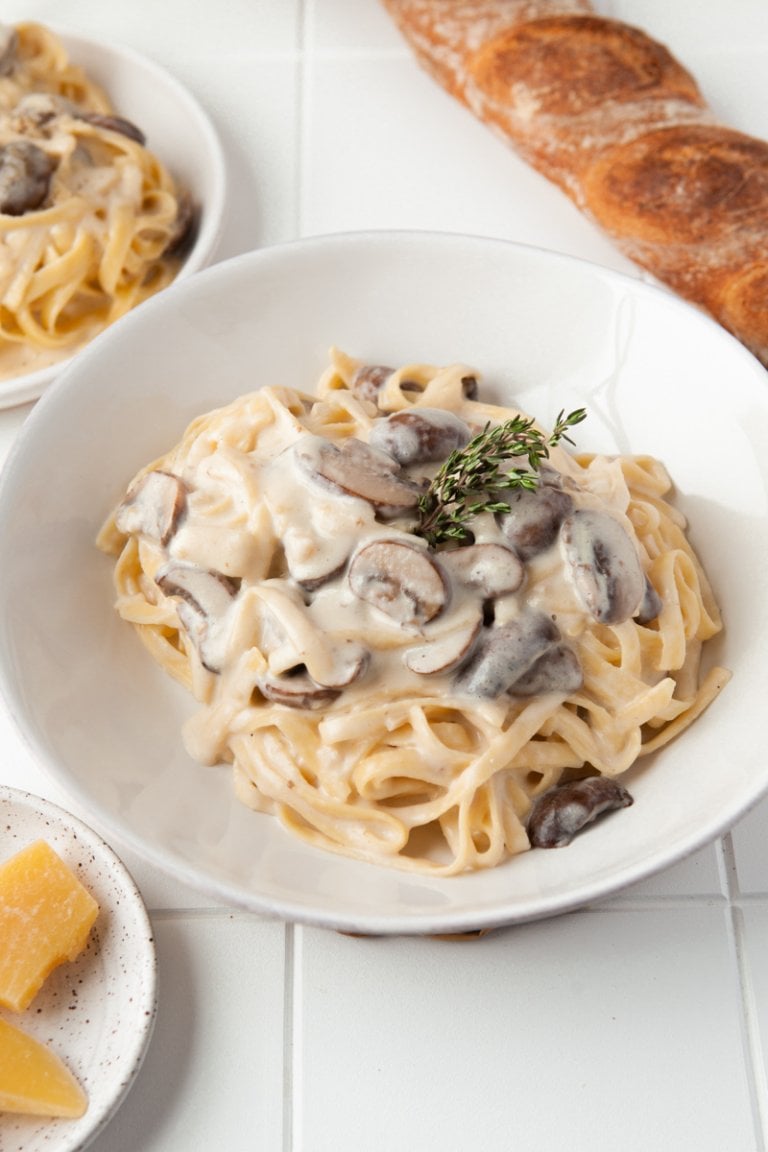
91,222
402,702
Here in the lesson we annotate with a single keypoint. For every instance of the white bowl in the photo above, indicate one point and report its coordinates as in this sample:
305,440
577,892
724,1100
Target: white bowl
657,376
181,134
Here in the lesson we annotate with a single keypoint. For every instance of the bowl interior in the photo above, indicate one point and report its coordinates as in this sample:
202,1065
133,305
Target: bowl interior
550,332
179,131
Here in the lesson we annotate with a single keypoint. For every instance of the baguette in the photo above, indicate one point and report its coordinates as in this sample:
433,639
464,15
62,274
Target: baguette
609,115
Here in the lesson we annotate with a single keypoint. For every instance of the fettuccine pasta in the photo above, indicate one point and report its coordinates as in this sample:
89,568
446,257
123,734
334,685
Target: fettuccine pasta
402,702
91,222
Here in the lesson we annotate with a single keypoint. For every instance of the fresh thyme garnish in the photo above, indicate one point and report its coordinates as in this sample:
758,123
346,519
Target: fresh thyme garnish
472,477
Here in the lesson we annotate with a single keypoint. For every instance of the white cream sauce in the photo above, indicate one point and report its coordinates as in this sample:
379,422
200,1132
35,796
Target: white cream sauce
289,539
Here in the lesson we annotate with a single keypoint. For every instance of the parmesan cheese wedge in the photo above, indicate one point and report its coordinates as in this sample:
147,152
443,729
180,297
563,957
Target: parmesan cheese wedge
46,916
34,1080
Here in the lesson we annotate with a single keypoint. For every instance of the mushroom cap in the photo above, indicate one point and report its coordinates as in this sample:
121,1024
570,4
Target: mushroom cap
506,652
604,565
355,469
446,652
419,435
400,579
563,811
25,174
493,569
153,507
534,517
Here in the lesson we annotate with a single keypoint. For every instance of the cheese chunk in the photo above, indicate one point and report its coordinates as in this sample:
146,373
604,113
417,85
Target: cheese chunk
46,916
34,1080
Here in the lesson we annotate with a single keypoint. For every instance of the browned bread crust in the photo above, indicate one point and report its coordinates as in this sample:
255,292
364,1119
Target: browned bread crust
611,116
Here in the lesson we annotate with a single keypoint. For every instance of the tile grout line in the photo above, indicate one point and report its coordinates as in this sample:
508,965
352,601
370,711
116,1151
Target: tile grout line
750,1031
303,68
289,1037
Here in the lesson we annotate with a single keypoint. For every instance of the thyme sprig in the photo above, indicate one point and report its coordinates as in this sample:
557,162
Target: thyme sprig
470,480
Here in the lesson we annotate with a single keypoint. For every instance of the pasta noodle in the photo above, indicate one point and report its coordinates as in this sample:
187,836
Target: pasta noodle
402,703
91,222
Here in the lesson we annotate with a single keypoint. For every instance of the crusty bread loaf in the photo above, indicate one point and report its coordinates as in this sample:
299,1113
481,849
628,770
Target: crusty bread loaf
615,120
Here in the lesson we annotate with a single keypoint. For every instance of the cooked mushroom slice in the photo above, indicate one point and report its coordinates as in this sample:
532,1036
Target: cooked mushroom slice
446,652
350,662
296,690
25,175
153,507
534,517
559,814
604,565
557,670
469,387
204,598
419,435
505,653
37,109
651,606
114,124
491,568
400,580
355,469
8,44
369,380
184,226
329,662
319,576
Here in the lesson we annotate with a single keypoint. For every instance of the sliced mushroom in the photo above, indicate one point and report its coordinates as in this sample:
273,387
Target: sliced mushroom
33,111
651,606
491,568
445,653
319,576
355,469
184,226
9,41
369,380
296,690
603,564
419,435
559,814
557,670
154,507
469,387
204,598
400,580
505,653
25,175
330,663
534,517
114,124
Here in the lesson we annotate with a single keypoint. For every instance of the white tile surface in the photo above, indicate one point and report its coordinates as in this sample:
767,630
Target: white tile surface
641,1024
213,1074
699,875
573,1033
750,843
369,162
754,925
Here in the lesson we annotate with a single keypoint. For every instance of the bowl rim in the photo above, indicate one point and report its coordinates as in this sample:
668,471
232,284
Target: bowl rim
372,923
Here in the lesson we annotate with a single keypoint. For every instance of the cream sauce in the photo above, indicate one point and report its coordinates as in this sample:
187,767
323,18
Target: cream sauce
302,613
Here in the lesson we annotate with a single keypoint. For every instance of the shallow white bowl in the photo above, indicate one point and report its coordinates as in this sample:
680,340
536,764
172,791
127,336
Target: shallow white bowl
657,377
181,134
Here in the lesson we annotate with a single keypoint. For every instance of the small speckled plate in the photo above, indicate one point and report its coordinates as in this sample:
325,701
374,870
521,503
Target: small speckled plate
98,1012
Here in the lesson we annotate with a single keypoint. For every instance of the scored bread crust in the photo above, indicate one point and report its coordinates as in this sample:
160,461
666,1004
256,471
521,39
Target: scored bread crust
613,118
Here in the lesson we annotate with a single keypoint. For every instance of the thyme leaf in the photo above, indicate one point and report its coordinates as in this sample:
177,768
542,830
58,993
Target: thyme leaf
470,480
